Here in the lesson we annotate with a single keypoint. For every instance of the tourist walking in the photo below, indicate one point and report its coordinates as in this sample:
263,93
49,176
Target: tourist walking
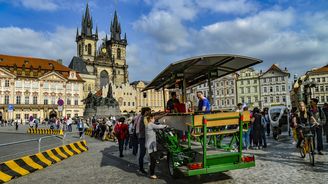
121,131
265,120
80,127
325,126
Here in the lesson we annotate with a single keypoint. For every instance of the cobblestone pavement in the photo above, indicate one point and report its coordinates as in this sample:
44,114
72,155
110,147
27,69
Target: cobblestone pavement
280,163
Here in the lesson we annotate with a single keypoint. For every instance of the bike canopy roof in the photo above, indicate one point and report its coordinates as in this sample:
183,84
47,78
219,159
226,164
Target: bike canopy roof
198,69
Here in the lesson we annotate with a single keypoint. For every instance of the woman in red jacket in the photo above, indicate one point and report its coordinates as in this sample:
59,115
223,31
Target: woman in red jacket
121,130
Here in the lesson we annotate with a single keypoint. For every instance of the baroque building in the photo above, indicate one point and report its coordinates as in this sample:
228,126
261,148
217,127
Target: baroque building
274,87
33,87
248,84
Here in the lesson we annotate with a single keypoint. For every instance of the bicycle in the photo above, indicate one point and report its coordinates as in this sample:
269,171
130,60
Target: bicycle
307,143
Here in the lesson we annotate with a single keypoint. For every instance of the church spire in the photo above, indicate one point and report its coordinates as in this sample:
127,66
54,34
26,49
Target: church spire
115,28
87,22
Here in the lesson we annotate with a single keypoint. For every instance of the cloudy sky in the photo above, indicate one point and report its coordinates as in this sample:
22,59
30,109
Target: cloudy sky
293,34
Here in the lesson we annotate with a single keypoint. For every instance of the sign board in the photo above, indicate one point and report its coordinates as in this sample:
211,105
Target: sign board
60,108
10,108
60,102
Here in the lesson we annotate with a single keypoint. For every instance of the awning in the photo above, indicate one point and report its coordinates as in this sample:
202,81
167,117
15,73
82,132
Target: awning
198,69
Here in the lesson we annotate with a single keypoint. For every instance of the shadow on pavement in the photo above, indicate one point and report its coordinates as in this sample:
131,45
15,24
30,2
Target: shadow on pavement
110,158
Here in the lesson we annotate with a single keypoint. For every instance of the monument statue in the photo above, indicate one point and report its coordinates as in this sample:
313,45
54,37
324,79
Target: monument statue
101,106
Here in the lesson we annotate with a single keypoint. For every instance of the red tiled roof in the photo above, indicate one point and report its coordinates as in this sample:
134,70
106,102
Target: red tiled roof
31,63
320,70
275,67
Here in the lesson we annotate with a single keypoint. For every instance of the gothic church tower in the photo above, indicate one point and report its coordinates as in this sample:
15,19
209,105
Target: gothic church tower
87,40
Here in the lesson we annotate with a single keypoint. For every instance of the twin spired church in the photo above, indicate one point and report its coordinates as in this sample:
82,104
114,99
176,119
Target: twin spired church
107,65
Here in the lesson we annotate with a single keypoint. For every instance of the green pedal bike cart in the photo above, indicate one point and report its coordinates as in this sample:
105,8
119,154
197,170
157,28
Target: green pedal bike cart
214,140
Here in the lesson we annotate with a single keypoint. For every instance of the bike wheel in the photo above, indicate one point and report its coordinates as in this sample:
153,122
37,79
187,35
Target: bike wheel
172,170
311,152
302,152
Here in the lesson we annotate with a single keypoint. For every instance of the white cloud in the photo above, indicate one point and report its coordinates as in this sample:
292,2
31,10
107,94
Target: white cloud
229,6
28,42
168,32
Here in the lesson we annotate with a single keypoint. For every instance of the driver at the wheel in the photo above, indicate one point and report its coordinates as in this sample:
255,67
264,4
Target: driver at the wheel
151,147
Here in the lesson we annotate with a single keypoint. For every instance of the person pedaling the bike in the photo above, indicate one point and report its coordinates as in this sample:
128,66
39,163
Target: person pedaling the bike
300,120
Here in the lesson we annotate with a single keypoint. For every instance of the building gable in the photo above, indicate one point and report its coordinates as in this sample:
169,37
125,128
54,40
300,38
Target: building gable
53,76
6,74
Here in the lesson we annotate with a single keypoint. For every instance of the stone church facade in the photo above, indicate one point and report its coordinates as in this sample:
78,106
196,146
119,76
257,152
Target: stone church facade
105,65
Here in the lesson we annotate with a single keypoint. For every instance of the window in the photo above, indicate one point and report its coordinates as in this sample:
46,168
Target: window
129,103
6,83
124,103
60,86
53,100
265,99
27,84
242,99
76,87
265,80
316,89
118,53
271,99
228,102
283,99
89,49
248,89
68,101
318,79
227,83
222,102
249,99
256,98
277,79
323,79
271,89
18,116
242,82
68,87
35,85
53,86
326,98
277,99
18,84
27,100
132,103
248,82
255,81
322,99
231,83
45,85
232,101
321,88
283,88
264,89
255,89
270,79
282,78
45,101
232,91
18,99
277,88
6,99
242,90
76,102
26,116
35,100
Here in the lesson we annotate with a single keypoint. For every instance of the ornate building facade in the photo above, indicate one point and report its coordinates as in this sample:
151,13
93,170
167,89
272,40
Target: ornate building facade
275,87
33,86
248,91
107,64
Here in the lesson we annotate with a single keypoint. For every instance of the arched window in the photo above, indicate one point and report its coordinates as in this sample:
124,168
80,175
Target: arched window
104,78
89,49
118,53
